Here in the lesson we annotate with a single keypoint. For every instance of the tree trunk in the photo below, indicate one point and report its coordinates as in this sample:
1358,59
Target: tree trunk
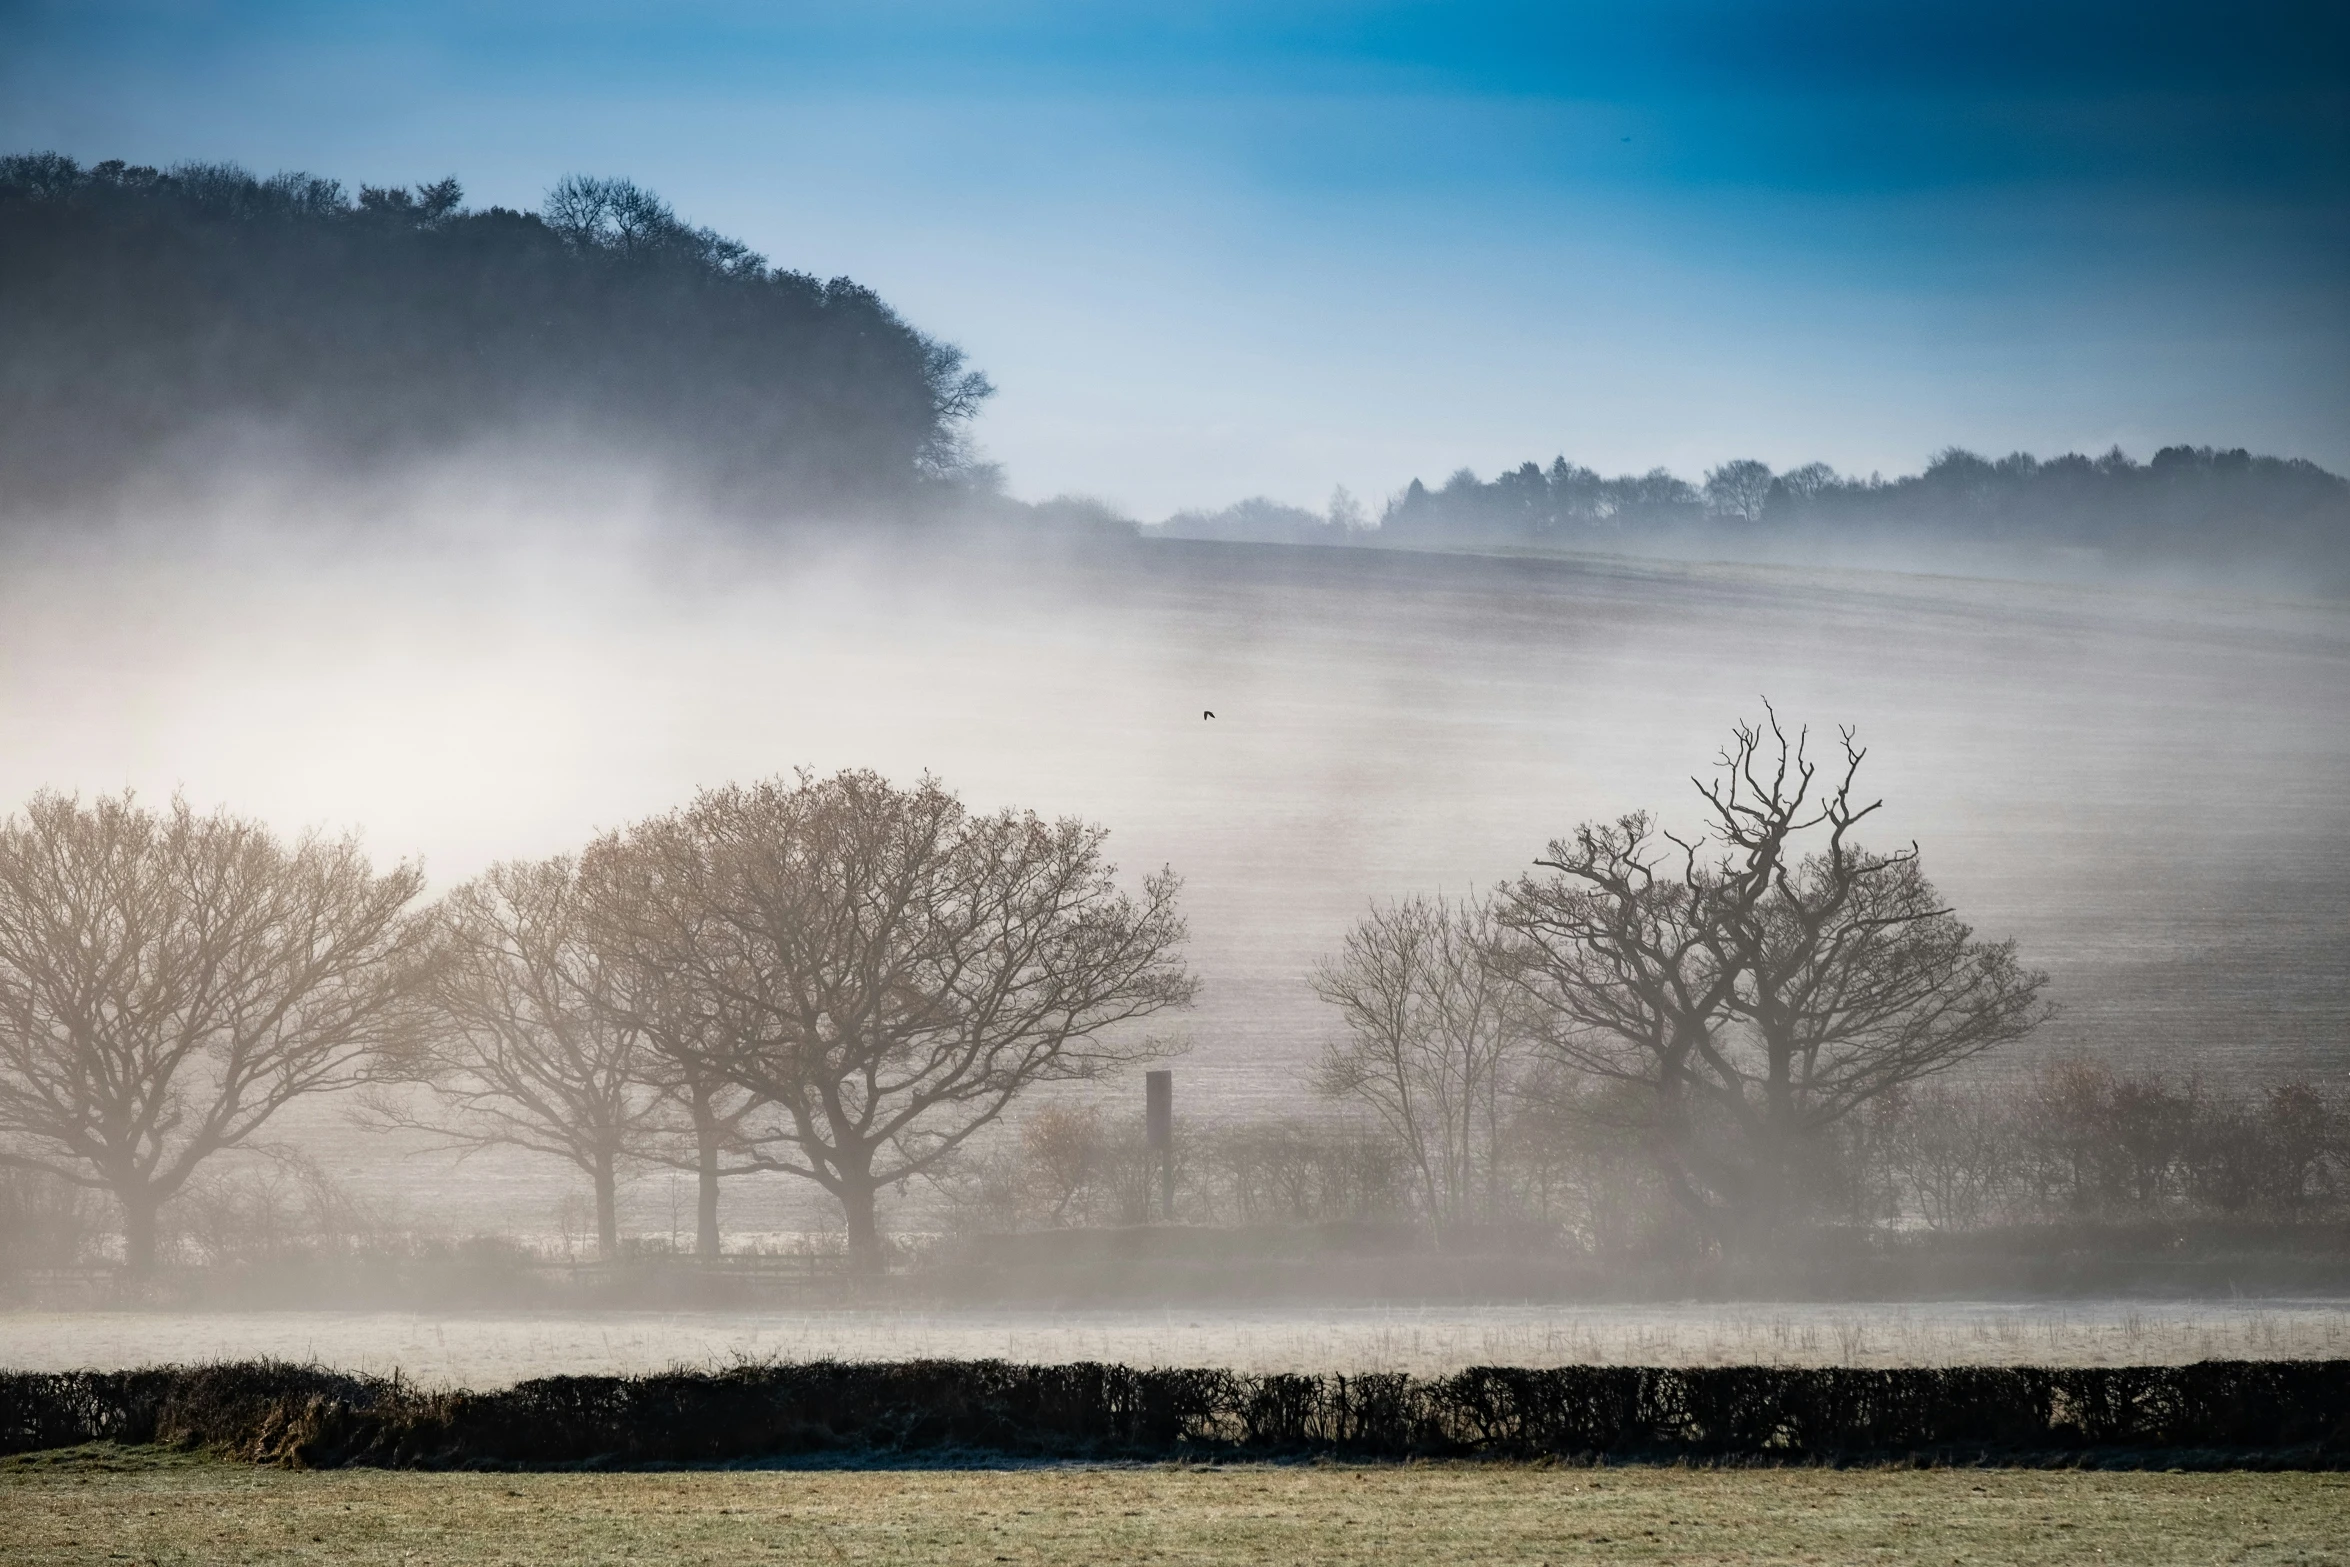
857,1194
138,1229
607,1210
706,1189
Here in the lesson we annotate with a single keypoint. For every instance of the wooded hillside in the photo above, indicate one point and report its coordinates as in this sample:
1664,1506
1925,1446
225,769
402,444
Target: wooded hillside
153,316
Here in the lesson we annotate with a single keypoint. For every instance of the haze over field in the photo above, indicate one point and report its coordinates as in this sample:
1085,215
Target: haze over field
2142,788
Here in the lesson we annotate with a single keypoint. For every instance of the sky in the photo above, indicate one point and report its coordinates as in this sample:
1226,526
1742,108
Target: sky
1214,249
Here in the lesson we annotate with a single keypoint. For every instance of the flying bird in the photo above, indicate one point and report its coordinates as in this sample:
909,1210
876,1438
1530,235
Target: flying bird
1207,715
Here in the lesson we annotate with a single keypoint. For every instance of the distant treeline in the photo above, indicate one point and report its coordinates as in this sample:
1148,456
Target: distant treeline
2189,504
153,316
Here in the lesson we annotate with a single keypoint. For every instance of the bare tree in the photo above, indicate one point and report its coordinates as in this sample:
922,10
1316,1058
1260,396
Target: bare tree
1432,1035
1808,483
687,1026
1346,514
1855,976
2305,1124
710,1121
170,981
1953,1150
911,968
1738,489
1761,992
2065,1113
622,217
537,1050
1624,982
1063,1151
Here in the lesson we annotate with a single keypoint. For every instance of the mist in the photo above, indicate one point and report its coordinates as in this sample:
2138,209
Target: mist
472,666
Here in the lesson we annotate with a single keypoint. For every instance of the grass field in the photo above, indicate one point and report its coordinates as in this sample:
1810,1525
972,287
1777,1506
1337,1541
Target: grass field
101,1504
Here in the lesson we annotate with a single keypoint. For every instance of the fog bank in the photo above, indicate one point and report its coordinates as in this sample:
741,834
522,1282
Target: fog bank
2144,788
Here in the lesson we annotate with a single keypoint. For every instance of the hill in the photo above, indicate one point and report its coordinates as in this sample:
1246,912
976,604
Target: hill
169,318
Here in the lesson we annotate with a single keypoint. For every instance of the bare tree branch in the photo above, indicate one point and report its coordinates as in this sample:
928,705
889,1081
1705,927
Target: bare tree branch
1433,1032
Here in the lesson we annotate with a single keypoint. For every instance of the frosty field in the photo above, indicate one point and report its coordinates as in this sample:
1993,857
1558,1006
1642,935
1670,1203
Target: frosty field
489,1349
137,1505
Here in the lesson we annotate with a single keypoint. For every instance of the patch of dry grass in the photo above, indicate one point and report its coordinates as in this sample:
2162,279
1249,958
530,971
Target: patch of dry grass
96,1504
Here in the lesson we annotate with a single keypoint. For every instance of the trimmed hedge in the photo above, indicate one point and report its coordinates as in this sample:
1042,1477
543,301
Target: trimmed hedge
2268,1413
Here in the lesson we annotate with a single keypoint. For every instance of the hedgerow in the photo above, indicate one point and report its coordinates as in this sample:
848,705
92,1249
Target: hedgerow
2259,1413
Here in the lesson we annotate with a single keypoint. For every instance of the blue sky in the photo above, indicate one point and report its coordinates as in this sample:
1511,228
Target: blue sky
1212,249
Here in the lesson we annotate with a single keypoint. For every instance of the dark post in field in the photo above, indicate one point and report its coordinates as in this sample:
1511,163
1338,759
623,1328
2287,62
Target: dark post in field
1159,1134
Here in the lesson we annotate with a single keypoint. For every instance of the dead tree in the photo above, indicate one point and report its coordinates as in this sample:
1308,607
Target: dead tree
535,1048
170,981
1433,1033
1762,980
909,969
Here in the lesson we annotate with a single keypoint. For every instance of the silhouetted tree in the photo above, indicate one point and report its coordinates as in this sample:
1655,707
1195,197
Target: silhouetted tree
1063,1150
1760,993
1955,1153
170,981
2188,504
1805,485
2078,1139
1738,489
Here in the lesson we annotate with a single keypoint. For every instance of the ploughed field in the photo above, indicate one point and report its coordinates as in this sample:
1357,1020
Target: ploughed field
488,1349
99,1503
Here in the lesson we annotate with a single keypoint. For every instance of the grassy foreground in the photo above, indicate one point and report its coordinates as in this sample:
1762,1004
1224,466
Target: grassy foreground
141,1505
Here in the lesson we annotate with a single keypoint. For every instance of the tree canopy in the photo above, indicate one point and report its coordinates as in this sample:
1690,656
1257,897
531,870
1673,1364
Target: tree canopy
886,970
154,314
